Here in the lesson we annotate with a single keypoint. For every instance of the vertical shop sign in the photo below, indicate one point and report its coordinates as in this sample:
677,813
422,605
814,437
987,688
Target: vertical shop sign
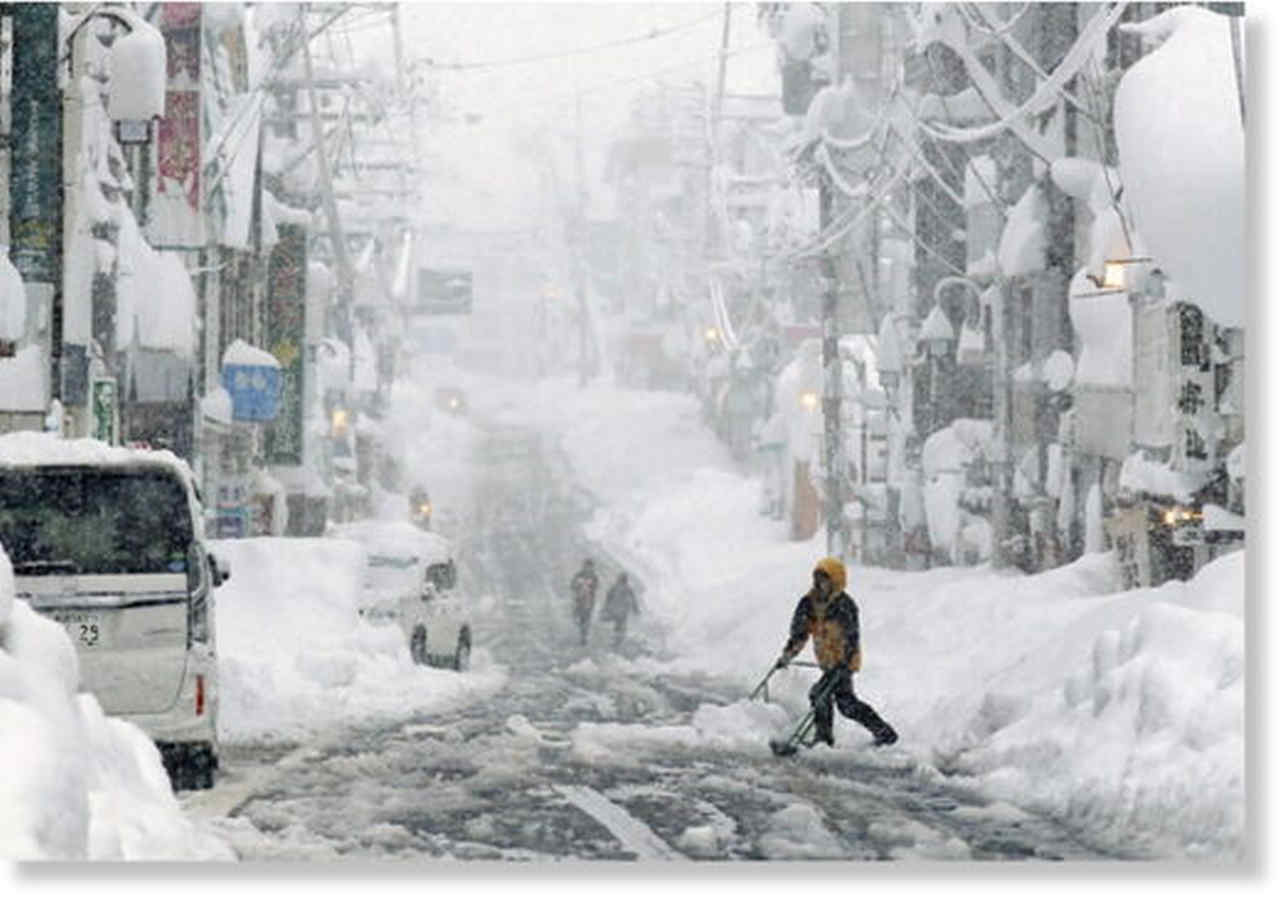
35,186
286,339
174,218
104,410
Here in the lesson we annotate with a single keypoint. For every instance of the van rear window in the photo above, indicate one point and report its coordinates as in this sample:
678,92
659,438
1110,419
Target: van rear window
85,520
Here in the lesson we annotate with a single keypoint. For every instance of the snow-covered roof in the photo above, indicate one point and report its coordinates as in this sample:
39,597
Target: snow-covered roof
46,448
390,537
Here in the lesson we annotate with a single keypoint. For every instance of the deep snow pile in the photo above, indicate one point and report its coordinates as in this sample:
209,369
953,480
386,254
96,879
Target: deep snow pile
1121,711
297,661
75,784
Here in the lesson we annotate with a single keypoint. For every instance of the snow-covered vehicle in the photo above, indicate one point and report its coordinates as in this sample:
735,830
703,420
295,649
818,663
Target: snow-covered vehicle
109,542
410,577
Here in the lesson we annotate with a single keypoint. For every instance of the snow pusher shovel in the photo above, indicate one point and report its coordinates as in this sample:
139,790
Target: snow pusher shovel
764,683
800,735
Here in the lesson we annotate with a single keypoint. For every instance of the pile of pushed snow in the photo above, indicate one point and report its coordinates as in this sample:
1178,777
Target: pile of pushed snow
296,660
77,785
1128,720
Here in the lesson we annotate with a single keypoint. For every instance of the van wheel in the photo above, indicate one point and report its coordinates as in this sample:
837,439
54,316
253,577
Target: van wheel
190,765
462,658
418,645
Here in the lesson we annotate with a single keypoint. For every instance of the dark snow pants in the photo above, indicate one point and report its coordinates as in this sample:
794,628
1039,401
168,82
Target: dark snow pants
582,607
843,697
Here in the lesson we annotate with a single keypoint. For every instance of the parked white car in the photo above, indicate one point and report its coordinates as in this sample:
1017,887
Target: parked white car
109,542
410,578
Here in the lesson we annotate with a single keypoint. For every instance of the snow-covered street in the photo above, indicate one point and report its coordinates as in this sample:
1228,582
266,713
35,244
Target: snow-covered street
548,751
638,438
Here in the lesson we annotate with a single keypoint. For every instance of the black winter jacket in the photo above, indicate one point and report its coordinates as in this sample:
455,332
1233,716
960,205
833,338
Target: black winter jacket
836,641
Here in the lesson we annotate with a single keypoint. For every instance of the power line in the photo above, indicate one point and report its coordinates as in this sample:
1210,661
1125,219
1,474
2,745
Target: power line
539,103
652,34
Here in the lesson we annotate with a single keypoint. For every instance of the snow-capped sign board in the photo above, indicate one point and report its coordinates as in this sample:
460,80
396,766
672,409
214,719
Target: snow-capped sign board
252,378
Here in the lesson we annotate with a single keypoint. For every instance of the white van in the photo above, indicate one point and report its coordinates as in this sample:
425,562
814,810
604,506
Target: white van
109,542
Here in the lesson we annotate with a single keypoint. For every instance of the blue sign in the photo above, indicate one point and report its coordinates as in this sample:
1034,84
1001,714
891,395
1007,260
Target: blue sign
254,390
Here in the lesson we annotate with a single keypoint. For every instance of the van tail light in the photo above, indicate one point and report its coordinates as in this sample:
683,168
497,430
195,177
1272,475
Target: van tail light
199,695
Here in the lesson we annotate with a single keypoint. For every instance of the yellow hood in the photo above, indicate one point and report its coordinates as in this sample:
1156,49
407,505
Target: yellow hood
835,569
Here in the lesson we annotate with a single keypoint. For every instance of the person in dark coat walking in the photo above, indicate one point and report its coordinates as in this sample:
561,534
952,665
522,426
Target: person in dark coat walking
829,614
620,603
584,585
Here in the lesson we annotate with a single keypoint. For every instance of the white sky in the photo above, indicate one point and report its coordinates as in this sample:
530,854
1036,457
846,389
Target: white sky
606,77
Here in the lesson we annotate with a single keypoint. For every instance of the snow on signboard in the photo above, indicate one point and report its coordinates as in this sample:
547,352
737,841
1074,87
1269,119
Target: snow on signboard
1178,111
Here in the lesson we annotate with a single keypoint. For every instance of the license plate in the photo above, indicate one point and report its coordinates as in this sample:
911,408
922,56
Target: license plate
1186,536
85,629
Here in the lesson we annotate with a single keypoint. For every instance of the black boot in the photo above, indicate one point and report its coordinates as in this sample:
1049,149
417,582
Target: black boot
885,736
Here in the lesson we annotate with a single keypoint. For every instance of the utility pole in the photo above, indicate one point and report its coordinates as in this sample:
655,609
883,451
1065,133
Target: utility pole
711,245
1001,498
578,249
832,370
346,272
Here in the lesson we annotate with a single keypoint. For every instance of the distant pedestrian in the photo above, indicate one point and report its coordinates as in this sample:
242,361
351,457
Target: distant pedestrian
829,614
619,604
583,587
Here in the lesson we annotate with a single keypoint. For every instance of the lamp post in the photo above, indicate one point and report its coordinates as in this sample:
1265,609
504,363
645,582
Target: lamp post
135,99
937,336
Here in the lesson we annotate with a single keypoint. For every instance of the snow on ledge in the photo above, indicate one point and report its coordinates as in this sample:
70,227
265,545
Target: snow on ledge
1155,479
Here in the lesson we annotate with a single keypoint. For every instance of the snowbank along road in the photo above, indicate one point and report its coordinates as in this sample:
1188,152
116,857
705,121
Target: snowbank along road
509,778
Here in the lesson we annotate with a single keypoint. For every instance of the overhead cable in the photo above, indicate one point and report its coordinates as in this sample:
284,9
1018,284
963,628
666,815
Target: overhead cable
1026,58
1075,59
652,34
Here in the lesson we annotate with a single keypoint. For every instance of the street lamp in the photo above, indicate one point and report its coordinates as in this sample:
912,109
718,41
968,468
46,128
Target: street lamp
889,359
138,70
936,333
